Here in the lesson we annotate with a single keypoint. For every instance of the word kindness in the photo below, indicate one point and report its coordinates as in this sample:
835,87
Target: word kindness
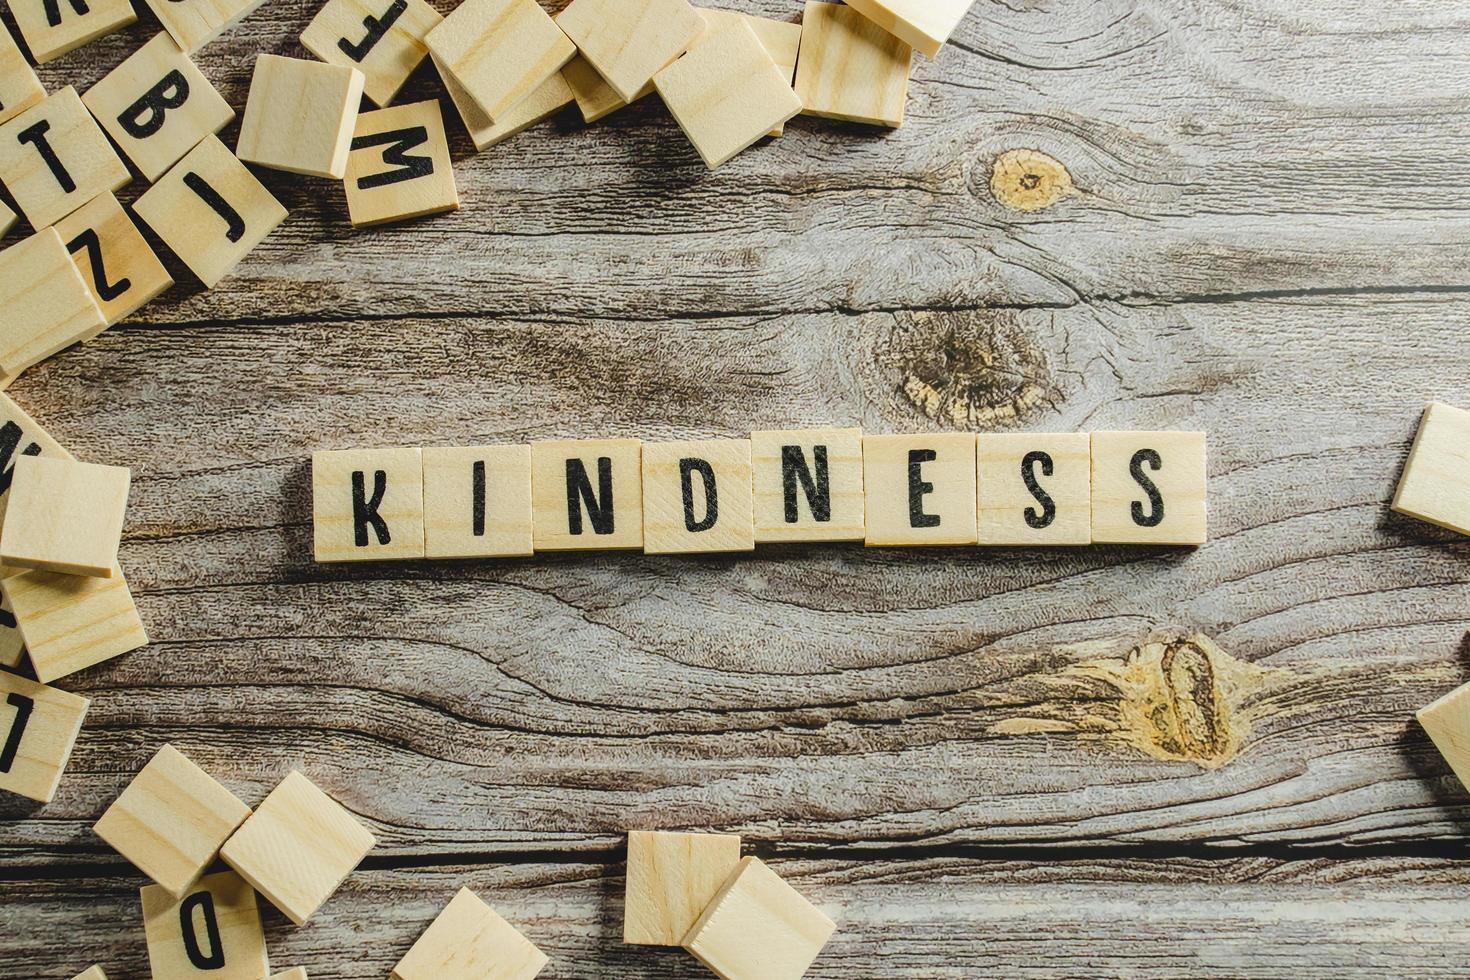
730,495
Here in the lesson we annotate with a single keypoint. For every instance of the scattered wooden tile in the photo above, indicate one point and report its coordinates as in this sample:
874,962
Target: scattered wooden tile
367,504
808,485
1149,488
780,38
469,941
211,210
298,847
1435,485
157,105
595,98
91,973
299,973
399,167
113,257
299,116
925,24
1447,720
194,23
19,87
477,502
553,94
54,159
46,301
671,880
1035,488
759,926
499,51
383,39
38,727
52,28
8,218
630,41
171,821
919,489
214,931
697,497
65,516
587,495
850,68
70,622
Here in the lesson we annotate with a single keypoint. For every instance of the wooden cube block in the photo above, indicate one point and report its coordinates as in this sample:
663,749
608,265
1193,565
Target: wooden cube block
194,23
587,495
808,485
850,68
52,28
399,167
38,727
1148,488
1035,489
214,931
469,941
19,87
1447,721
595,98
477,502
671,879
629,41
919,490
1435,485
91,973
925,24
553,94
759,926
70,622
54,159
383,39
697,497
780,38
46,301
300,116
171,821
367,504
157,106
500,51
210,210
114,259
65,516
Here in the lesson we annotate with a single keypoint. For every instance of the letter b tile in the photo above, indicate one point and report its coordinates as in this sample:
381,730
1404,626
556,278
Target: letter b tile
368,504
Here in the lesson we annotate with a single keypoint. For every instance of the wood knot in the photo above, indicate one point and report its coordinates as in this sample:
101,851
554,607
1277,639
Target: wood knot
1029,180
974,369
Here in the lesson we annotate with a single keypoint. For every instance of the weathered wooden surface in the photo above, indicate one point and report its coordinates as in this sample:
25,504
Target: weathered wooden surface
1268,240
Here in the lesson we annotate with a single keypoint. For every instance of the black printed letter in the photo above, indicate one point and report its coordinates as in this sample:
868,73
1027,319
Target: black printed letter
396,155
918,487
36,134
579,491
477,497
145,117
23,706
365,512
106,291
204,901
818,489
234,224
10,434
376,28
687,468
1048,506
1155,517
53,10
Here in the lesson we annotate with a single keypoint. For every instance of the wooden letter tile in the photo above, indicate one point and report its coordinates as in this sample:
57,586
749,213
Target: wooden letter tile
52,28
399,166
587,495
553,94
113,257
671,879
171,821
70,622
19,87
477,502
499,51
367,504
210,210
300,116
925,24
629,41
781,39
1435,485
850,68
65,516
1035,489
1148,488
595,98
383,39
697,497
213,932
759,926
38,727
469,941
1447,721
91,973
808,485
920,489
194,23
54,159
46,301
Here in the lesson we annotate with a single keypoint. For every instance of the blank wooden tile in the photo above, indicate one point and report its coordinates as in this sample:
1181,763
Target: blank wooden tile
298,847
172,820
399,167
38,727
211,210
367,504
65,516
759,926
383,39
300,116
808,485
925,24
113,257
595,98
587,495
469,941
1035,488
19,87
46,301
213,932
919,489
1447,720
70,622
850,68
477,502
550,97
54,159
671,879
91,973
780,38
52,28
194,23
629,41
697,497
1148,488
1435,485
499,51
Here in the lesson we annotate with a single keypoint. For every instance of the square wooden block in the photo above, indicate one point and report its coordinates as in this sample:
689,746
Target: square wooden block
70,622
52,28
1149,488
595,98
553,94
780,38
157,106
477,502
65,516
399,167
299,116
500,51
920,489
213,931
54,159
671,879
91,973
850,68
1435,485
383,39
808,485
925,24
194,23
38,727
759,926
19,87
630,41
172,820
367,504
46,301
113,257
469,941
587,495
1035,488
697,497
1447,721
210,210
